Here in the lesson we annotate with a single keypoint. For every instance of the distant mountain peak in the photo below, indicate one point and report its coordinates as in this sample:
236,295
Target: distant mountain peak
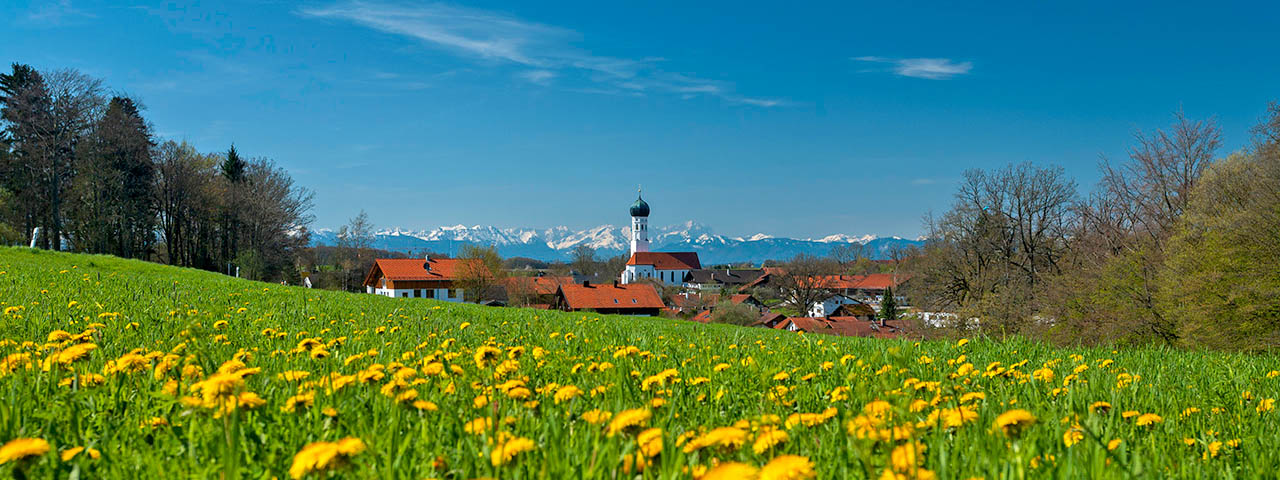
558,242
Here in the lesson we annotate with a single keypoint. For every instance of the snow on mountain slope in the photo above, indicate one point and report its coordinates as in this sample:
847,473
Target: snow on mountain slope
557,243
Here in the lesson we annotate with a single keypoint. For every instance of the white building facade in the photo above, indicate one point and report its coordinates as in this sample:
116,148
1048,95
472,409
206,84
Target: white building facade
829,305
667,268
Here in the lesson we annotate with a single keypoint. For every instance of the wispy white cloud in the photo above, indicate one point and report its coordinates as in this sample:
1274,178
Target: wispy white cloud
930,68
540,77
548,52
57,12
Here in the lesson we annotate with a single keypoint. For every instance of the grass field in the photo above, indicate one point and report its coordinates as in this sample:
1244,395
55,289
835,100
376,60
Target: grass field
170,373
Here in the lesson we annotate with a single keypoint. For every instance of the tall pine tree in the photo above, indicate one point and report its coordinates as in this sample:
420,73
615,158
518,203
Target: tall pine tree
888,306
233,172
24,107
114,210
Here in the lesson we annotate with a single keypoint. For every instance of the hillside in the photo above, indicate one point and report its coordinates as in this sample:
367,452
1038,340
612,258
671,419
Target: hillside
166,372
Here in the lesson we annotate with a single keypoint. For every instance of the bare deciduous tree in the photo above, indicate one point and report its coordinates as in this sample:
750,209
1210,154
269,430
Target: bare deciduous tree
355,239
804,280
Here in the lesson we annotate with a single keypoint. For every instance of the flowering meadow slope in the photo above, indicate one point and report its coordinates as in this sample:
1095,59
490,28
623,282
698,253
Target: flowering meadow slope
122,369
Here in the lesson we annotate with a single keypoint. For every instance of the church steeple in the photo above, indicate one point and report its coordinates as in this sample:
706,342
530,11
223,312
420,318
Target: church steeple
640,208
639,224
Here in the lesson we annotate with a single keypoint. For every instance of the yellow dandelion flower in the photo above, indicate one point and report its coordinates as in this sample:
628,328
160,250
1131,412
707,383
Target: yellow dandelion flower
626,420
566,393
20,448
478,426
1212,450
71,453
1073,435
1013,422
1148,419
907,457
486,356
1266,405
788,467
650,442
319,457
1114,444
768,439
506,451
729,438
425,405
730,471
596,416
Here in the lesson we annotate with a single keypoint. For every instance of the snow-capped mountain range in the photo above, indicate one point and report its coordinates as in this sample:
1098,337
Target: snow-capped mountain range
557,243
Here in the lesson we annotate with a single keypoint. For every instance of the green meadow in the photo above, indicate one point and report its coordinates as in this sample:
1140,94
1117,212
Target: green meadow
115,368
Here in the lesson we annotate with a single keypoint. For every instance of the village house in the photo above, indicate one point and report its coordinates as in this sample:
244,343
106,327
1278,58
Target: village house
638,299
860,311
770,320
827,306
720,279
436,278
868,289
536,292
669,268
689,302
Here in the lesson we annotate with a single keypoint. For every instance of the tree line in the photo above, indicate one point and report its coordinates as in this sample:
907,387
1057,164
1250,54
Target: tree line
83,168
1175,245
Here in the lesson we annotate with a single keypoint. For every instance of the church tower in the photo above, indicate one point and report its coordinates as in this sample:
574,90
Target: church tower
639,225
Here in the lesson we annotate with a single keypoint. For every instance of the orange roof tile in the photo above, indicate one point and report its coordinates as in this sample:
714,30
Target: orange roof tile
599,297
407,269
546,285
666,260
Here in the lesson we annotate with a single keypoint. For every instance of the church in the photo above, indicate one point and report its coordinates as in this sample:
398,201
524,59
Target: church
666,267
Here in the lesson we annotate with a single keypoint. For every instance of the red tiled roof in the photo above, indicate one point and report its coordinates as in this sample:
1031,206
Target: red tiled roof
808,324
539,285
702,317
739,298
880,281
411,269
666,260
769,318
598,297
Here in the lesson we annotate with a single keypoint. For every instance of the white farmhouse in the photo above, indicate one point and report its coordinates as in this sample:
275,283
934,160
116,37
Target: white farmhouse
828,306
436,278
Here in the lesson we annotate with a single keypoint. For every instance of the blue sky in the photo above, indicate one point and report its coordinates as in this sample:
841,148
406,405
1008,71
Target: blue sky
791,120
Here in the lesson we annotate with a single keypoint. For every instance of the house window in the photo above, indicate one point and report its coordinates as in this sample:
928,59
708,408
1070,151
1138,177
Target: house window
457,293
417,293
430,293
404,294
